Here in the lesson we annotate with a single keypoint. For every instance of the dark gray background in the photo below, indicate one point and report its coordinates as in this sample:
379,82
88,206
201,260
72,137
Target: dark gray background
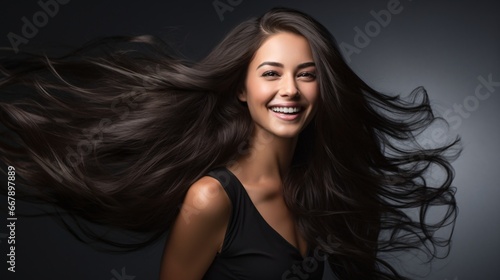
443,45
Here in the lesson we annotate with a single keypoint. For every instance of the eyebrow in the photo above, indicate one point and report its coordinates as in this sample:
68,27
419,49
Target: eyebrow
277,64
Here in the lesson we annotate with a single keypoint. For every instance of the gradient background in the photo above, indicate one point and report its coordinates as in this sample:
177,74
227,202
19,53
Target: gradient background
442,45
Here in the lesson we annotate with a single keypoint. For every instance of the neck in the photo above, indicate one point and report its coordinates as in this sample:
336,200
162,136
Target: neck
268,157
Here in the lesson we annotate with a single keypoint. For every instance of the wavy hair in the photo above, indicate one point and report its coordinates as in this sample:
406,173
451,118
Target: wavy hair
117,130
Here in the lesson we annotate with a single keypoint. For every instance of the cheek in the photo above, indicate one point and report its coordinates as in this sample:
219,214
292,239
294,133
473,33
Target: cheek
258,92
310,92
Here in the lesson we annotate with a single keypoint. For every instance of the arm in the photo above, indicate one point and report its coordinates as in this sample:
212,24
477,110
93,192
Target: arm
198,232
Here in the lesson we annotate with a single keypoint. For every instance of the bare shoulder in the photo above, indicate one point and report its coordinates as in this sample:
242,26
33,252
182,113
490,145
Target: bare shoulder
206,206
198,232
208,197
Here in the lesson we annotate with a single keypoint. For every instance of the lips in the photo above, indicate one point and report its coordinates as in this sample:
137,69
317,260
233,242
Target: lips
286,113
286,110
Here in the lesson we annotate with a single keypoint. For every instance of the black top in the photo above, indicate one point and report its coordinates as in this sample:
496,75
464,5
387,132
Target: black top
252,249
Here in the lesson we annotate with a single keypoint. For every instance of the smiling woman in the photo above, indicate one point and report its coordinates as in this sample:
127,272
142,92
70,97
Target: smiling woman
262,161
281,88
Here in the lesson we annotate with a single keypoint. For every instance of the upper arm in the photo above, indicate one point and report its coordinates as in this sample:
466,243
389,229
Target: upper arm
198,231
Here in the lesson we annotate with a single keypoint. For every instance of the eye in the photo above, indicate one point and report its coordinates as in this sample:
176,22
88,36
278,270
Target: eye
307,75
270,74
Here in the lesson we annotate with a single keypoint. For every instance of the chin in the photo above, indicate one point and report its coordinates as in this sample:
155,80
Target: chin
281,131
287,134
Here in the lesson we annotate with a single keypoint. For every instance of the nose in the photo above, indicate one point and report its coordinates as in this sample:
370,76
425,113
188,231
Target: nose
288,87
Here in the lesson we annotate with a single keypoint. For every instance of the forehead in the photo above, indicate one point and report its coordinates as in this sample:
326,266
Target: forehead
284,47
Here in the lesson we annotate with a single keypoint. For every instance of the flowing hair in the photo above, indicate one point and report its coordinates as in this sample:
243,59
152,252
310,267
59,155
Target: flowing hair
117,131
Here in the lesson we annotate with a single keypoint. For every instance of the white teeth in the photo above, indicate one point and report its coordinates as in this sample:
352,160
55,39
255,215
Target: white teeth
286,110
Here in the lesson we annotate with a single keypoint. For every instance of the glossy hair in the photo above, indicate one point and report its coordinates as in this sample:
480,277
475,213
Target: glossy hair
119,129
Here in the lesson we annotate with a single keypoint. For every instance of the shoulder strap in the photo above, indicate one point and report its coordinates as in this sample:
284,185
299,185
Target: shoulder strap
225,179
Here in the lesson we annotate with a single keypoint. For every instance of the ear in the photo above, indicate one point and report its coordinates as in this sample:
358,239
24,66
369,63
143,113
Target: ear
242,95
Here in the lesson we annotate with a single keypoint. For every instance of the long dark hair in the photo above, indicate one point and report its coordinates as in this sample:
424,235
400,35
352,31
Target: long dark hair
120,128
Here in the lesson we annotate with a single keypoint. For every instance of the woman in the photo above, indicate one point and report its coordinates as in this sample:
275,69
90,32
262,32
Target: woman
264,159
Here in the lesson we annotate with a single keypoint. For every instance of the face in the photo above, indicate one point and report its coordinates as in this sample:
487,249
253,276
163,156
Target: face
281,88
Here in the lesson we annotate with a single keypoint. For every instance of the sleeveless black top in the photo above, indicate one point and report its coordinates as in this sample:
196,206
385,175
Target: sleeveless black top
252,249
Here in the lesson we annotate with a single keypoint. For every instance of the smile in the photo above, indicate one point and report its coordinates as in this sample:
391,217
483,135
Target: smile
286,110
287,113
